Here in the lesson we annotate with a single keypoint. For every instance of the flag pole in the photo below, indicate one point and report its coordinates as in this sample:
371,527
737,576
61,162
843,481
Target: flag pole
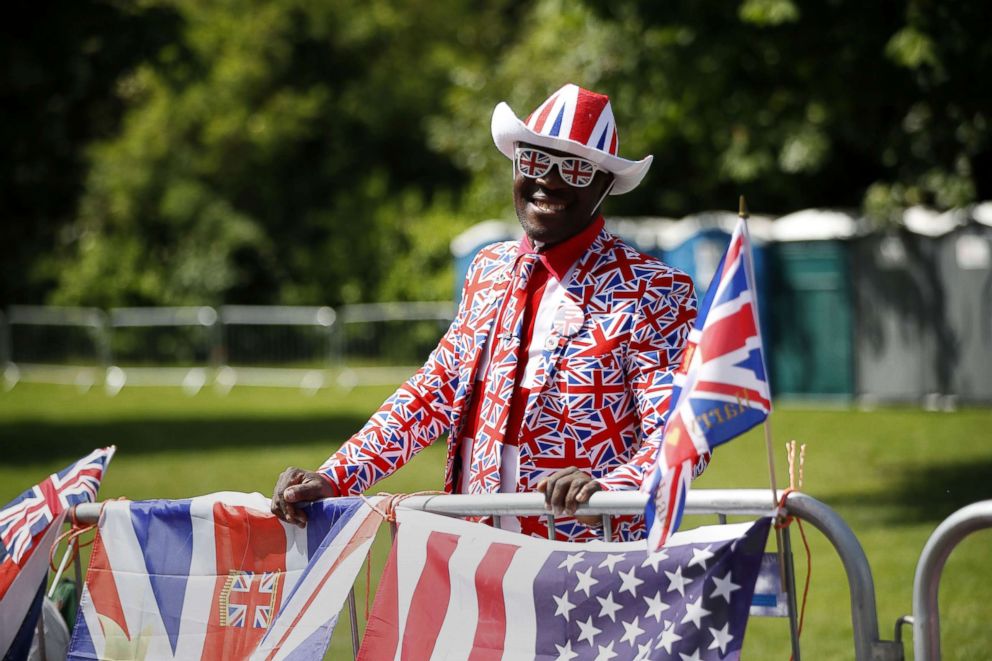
744,215
786,576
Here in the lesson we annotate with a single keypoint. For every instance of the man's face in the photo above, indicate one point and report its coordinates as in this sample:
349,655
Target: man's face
550,210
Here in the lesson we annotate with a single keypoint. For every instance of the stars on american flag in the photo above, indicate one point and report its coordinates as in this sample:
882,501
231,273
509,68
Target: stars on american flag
684,602
724,587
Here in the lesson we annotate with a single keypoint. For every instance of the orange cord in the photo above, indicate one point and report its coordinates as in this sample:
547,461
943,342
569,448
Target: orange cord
387,514
75,531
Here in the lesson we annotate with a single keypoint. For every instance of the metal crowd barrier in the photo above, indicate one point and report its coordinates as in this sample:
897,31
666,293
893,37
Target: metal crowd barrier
725,502
926,583
305,347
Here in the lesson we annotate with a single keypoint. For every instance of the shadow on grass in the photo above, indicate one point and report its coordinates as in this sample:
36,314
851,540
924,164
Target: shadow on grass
926,494
25,443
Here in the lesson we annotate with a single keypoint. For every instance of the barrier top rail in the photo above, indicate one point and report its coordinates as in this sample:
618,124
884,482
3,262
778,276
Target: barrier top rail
51,315
414,311
747,502
163,316
278,315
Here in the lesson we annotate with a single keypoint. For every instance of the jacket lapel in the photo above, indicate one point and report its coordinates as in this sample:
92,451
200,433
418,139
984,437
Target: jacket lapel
477,331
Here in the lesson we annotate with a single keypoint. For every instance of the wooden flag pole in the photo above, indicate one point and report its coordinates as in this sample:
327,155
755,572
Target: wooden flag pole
781,541
744,215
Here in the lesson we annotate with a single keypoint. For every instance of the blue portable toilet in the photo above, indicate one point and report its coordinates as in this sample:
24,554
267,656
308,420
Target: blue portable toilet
696,244
642,233
466,245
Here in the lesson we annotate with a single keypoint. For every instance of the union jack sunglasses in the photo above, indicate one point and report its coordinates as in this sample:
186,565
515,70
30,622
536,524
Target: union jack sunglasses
533,163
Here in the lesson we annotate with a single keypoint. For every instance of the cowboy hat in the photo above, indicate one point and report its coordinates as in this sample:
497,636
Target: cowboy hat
576,121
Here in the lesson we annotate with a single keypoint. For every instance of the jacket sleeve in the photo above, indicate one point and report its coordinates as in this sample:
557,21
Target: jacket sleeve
658,336
413,417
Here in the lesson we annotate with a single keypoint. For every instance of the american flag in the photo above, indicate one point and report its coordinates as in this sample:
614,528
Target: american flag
29,525
720,390
453,589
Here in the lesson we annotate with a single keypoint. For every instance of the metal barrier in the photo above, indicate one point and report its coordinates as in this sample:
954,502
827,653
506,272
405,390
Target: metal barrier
58,345
163,346
305,347
384,343
926,582
751,502
277,346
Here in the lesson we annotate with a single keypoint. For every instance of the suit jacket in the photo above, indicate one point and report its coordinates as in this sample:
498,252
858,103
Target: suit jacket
601,396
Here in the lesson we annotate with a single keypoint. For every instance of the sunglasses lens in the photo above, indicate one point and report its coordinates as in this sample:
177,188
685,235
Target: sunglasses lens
577,171
533,163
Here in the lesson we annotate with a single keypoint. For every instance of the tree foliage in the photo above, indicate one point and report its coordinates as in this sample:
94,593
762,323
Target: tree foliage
183,152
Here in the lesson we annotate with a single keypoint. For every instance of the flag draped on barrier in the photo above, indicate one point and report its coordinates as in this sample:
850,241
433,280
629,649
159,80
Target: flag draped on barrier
218,577
454,589
720,390
29,525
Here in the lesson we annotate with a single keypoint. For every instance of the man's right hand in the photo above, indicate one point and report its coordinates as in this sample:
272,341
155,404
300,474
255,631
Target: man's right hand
297,486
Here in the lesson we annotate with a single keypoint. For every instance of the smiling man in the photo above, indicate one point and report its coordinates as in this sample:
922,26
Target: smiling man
556,372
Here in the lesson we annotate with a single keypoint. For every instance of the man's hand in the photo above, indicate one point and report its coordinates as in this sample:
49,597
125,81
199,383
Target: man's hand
565,490
296,485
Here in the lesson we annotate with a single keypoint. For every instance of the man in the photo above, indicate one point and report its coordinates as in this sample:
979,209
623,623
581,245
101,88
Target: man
555,374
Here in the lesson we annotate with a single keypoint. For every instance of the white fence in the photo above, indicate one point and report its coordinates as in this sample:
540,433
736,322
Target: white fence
304,347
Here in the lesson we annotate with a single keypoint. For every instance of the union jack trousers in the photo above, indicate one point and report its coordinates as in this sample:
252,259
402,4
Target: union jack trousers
599,393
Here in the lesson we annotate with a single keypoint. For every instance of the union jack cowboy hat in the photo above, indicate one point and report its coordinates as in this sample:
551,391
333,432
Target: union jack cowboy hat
576,121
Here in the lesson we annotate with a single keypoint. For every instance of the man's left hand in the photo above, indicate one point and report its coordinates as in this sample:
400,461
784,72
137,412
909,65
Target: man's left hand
566,490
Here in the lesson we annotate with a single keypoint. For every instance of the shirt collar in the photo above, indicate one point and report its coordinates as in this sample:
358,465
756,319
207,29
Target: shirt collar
559,258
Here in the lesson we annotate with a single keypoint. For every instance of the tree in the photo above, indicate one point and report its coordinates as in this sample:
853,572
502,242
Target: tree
820,104
57,90
268,154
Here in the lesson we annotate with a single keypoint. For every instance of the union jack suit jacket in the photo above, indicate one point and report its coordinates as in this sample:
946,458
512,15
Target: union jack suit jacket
600,395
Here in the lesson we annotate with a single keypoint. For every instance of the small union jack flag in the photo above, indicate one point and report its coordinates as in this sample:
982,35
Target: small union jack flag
720,390
28,527
28,515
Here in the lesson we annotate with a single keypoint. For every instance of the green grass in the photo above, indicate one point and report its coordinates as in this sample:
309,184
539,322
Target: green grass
892,474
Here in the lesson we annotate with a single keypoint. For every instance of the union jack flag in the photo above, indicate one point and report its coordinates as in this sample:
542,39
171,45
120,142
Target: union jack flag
28,527
28,515
720,390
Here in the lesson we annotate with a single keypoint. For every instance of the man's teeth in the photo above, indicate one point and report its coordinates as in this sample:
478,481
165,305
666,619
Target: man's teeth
545,205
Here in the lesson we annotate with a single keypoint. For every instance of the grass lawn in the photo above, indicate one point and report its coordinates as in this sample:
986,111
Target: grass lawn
893,474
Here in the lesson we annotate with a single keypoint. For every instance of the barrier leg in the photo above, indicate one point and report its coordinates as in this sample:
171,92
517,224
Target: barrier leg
353,616
790,589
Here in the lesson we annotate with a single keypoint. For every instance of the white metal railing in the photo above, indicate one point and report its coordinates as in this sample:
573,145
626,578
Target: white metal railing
730,502
305,347
53,344
154,332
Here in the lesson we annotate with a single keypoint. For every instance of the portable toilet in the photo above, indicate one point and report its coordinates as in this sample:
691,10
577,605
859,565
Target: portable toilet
965,265
899,318
645,234
466,245
812,324
696,244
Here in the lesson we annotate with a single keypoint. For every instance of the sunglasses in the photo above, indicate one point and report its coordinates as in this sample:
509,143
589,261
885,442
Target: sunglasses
533,163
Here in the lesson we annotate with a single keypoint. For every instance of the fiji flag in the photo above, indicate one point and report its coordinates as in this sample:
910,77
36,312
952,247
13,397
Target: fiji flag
218,577
720,389
29,525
